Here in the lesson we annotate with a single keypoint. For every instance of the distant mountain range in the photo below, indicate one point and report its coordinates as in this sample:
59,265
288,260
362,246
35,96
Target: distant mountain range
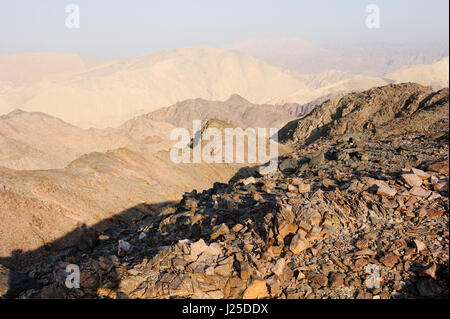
109,94
375,59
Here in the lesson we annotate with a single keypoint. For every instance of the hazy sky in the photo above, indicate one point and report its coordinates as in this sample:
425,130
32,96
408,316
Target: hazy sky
132,27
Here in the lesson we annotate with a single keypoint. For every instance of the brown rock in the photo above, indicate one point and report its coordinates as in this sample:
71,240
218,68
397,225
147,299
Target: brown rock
219,231
304,188
389,260
386,191
299,244
317,278
274,251
362,243
439,167
429,271
288,229
419,245
419,192
423,175
336,279
245,270
224,270
279,267
256,290
441,187
237,228
412,179
364,295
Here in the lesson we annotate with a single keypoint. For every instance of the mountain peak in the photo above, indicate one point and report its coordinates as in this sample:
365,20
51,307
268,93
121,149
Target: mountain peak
236,98
16,112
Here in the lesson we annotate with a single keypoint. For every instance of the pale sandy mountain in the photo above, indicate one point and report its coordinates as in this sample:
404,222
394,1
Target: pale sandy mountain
110,94
349,83
323,79
26,68
435,75
371,59
271,48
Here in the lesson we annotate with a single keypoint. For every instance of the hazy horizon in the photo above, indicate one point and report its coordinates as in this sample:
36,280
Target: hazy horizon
114,29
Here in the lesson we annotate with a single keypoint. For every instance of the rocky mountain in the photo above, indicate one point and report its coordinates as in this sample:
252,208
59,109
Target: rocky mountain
393,108
335,211
235,109
35,140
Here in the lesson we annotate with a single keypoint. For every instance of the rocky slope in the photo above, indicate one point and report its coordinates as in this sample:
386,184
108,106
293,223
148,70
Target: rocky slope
95,187
398,107
338,214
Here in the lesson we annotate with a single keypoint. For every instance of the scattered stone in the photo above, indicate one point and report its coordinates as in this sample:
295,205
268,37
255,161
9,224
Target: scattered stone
256,290
304,188
336,279
288,229
386,191
423,175
279,267
412,179
221,230
13,283
389,260
439,167
299,244
317,160
364,295
429,271
419,192
420,246
288,165
317,279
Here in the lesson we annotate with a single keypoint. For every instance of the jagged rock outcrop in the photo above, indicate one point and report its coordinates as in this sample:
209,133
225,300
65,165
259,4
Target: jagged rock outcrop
396,108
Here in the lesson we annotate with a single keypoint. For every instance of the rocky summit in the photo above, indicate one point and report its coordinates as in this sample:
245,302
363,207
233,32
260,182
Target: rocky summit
346,215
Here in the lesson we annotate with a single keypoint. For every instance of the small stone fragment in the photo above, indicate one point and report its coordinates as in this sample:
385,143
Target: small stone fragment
412,179
221,230
299,244
256,290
